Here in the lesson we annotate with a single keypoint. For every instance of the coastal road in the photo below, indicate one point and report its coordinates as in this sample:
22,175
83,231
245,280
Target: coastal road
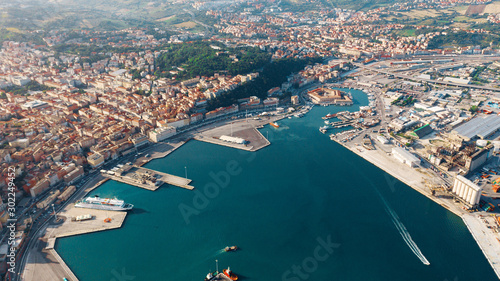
33,243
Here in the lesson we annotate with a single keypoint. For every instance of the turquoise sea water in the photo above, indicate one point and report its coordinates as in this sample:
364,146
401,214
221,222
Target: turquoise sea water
277,205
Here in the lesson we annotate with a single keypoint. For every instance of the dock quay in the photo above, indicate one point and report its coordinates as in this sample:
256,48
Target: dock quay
341,124
414,178
145,178
242,129
45,263
221,277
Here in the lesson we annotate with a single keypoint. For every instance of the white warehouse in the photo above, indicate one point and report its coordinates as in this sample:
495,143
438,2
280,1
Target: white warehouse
467,190
405,157
233,139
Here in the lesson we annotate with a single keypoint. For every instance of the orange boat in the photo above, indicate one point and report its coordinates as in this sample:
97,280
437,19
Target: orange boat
275,125
107,220
230,274
230,249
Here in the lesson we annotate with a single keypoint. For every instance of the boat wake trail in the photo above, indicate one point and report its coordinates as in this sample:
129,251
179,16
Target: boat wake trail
404,232
219,252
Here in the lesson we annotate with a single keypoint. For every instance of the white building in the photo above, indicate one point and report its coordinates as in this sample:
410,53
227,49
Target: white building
467,190
160,134
95,160
233,139
382,140
405,157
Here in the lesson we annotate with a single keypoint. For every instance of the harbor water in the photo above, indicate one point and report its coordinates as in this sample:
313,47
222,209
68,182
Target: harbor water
303,208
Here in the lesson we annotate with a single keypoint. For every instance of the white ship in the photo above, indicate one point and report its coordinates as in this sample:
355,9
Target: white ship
104,204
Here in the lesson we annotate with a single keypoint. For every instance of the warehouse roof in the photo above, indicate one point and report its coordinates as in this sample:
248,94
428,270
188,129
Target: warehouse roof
480,127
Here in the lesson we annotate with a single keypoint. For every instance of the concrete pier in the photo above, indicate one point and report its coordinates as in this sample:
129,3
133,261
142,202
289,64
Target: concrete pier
245,129
171,179
222,277
488,241
142,177
45,264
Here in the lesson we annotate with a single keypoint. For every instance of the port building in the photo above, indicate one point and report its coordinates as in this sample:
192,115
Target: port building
467,190
382,140
233,139
478,159
478,127
405,157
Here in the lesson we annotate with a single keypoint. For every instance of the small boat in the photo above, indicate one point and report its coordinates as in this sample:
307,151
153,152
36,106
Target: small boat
274,124
211,276
107,220
231,249
230,274
329,116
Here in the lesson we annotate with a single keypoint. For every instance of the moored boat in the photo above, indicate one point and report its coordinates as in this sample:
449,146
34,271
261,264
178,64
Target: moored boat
104,204
211,276
329,116
274,124
230,274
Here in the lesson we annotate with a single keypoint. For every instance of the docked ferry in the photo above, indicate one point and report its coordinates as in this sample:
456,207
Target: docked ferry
104,204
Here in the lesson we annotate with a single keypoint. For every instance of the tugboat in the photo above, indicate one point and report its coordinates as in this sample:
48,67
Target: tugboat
231,249
274,124
230,274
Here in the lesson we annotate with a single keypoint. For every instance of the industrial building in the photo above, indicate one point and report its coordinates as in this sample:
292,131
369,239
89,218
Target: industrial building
422,131
478,127
382,140
68,191
49,200
467,190
405,157
478,159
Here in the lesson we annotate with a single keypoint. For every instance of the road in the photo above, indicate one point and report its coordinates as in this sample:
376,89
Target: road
416,79
209,29
39,227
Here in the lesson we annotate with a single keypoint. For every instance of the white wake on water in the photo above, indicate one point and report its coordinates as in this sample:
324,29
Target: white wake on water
404,232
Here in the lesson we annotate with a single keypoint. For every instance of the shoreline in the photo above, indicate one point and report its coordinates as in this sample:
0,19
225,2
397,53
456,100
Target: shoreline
57,261
158,151
483,236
